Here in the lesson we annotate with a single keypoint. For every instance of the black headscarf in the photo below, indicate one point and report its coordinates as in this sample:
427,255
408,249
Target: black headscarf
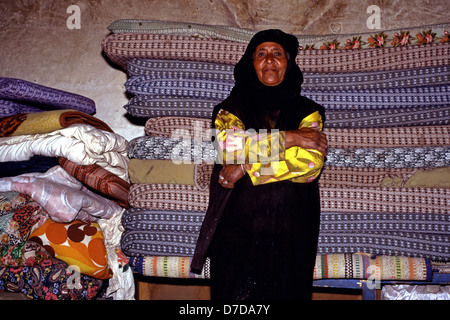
252,101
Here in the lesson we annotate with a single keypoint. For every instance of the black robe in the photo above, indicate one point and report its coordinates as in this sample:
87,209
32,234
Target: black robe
262,240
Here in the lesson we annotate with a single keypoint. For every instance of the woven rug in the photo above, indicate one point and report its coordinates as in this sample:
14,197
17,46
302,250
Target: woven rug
143,106
187,150
136,243
335,266
332,100
398,200
170,197
150,232
434,247
43,97
333,199
10,108
184,222
124,46
400,117
368,222
396,157
165,171
160,232
184,69
394,37
337,138
330,81
149,107
46,121
366,266
177,149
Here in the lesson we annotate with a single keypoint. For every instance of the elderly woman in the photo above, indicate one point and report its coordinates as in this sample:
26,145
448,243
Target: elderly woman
261,227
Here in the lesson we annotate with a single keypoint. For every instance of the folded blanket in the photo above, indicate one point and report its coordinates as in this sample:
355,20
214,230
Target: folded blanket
369,222
34,164
171,197
79,143
165,171
160,171
149,107
139,243
398,200
337,137
186,222
125,46
410,244
396,157
43,97
10,108
179,150
186,150
151,232
367,266
145,106
395,37
99,179
61,195
154,69
335,266
385,177
333,199
204,89
198,175
46,121
400,117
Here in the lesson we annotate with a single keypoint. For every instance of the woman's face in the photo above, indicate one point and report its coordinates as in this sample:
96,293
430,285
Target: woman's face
270,62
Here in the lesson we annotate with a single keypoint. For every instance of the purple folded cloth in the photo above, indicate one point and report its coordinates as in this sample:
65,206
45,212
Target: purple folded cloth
23,92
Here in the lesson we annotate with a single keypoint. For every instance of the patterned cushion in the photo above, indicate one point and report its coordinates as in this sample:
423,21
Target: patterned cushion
77,243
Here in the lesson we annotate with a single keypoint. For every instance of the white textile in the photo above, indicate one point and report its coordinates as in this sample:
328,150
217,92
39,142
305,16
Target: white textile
80,143
415,292
61,195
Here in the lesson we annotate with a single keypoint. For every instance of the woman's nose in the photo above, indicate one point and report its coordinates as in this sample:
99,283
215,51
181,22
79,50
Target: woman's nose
269,58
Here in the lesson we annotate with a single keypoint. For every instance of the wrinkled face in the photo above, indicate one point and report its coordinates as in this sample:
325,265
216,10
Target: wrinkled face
270,63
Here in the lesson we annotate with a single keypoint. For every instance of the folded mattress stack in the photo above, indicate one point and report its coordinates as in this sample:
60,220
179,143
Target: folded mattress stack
63,189
384,188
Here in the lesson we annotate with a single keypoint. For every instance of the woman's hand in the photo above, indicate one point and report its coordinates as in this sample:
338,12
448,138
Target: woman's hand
307,138
230,174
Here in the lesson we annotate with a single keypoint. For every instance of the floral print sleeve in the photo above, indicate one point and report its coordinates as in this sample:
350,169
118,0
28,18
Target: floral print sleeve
265,150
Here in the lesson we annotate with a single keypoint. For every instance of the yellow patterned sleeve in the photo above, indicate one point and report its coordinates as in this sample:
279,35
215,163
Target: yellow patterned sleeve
298,165
235,145
266,151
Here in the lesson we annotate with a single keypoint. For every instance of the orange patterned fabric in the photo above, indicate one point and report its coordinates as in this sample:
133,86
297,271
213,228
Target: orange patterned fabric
77,243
